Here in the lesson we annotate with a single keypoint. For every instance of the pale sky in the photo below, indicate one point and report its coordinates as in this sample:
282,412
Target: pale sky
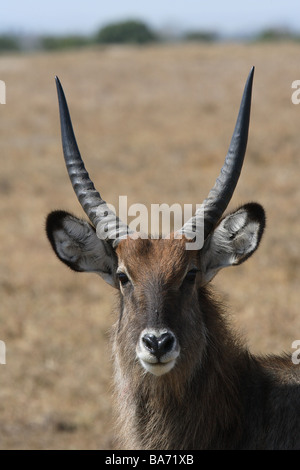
228,17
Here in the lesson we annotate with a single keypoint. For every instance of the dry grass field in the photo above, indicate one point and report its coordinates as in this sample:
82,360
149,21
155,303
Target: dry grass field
152,123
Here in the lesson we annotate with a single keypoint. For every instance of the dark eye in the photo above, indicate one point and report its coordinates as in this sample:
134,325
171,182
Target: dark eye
191,275
122,278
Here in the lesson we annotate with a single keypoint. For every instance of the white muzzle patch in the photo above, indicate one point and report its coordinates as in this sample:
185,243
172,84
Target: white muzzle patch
157,350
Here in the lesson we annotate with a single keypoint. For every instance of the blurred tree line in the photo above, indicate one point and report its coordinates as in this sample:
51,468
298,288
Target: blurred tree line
9,43
127,32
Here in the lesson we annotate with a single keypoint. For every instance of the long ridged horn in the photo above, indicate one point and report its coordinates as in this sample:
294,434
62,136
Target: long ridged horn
220,195
108,225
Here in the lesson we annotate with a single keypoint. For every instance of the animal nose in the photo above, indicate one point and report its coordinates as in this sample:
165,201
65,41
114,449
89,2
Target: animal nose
159,345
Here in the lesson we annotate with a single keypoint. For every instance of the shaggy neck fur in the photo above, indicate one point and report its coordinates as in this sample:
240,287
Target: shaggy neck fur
187,408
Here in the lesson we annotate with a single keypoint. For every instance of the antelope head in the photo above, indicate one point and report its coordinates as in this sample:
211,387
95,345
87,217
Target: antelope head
162,284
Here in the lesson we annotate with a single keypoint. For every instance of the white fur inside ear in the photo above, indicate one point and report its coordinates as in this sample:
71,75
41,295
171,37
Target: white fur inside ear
246,241
238,235
233,241
77,244
76,240
66,248
234,222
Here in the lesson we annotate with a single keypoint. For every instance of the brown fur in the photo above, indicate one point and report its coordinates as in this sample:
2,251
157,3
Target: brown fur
218,394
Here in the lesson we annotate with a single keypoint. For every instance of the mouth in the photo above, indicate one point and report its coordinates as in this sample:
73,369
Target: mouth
158,368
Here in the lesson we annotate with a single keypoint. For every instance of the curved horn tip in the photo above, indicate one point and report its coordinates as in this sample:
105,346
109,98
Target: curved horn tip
220,195
251,74
59,86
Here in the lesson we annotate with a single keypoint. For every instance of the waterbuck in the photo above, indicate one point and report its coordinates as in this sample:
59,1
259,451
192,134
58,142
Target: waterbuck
183,380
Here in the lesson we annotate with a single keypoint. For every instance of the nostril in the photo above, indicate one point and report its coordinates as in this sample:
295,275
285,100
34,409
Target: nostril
151,343
165,343
158,345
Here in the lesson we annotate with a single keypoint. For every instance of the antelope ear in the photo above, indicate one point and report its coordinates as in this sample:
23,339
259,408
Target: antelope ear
76,244
234,239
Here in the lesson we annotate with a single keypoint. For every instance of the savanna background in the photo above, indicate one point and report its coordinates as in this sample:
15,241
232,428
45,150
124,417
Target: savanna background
153,122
